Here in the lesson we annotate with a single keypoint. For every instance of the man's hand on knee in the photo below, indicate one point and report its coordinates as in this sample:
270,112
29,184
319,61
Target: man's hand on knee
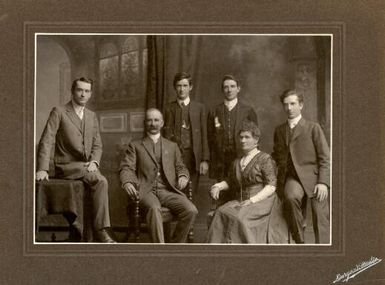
321,192
182,182
130,190
42,175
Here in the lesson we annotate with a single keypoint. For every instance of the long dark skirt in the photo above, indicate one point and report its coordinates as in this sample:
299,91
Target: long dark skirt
258,223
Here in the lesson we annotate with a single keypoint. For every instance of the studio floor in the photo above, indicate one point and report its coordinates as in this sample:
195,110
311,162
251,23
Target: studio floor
200,231
201,199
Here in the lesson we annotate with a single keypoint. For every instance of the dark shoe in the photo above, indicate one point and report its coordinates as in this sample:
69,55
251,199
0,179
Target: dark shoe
103,236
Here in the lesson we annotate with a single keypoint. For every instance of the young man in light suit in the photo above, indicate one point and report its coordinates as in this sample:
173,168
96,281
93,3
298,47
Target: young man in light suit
153,170
78,149
302,155
186,124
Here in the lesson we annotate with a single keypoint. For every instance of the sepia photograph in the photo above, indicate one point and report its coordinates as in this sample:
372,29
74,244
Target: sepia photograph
192,142
233,145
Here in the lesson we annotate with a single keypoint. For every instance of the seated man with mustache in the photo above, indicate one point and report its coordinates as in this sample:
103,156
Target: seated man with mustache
153,169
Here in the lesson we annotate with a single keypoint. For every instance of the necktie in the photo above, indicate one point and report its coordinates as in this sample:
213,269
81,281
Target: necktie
291,131
80,114
153,146
185,124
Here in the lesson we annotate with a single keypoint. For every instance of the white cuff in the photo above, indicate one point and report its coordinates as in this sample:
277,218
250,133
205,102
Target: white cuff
254,199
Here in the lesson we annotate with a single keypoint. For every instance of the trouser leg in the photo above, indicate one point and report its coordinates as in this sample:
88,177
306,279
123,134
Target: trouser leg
229,157
321,225
185,211
189,161
194,178
98,192
293,198
153,217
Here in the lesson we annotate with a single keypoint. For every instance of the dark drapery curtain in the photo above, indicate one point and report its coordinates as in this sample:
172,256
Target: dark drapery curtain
155,71
167,56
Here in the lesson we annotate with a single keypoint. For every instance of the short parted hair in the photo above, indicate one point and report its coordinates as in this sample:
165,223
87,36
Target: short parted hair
250,126
180,76
290,92
231,77
82,79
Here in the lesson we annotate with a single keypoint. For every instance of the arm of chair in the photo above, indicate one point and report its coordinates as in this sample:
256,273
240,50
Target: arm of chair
137,219
224,196
189,191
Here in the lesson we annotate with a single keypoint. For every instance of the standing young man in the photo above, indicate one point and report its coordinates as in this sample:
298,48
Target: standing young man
302,156
186,124
224,122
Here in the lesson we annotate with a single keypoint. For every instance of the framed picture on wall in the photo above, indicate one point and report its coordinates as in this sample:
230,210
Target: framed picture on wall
113,122
137,121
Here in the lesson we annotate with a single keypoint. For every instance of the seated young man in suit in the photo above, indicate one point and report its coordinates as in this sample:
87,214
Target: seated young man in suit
302,156
153,170
78,150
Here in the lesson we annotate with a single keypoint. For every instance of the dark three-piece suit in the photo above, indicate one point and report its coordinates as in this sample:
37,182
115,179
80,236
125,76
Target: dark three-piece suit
187,126
222,130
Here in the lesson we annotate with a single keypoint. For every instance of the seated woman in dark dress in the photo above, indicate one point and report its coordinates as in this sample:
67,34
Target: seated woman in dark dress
256,214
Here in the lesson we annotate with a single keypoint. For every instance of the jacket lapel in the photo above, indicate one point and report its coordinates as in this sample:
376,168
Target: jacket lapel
73,117
88,122
193,113
298,129
285,132
164,152
238,118
149,147
221,114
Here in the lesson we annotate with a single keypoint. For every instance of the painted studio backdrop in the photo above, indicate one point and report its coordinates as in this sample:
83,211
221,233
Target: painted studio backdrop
133,72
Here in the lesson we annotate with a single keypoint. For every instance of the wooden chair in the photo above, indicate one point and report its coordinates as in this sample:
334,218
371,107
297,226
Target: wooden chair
224,196
137,221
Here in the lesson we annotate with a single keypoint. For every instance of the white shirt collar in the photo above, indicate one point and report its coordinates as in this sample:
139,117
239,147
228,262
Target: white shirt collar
185,101
78,109
154,138
231,104
245,160
293,122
